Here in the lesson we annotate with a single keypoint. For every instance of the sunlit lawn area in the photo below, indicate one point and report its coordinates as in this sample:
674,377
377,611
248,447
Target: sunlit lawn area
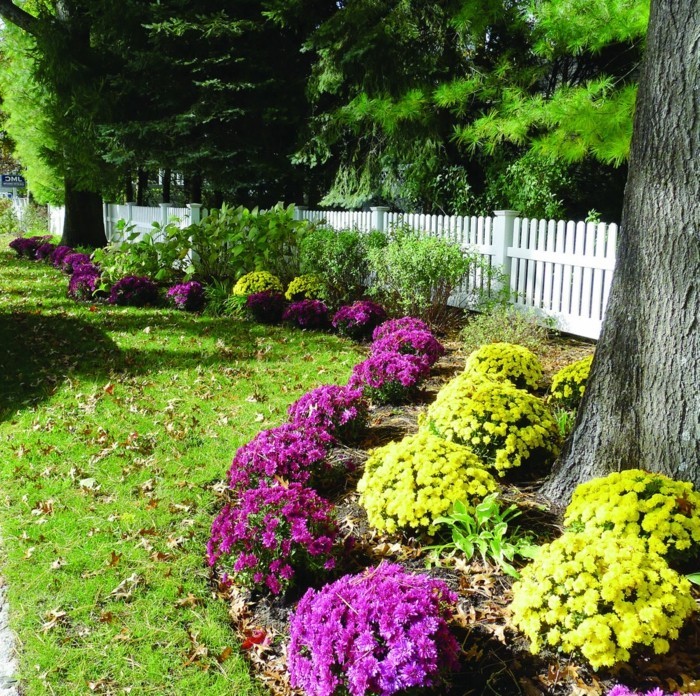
116,428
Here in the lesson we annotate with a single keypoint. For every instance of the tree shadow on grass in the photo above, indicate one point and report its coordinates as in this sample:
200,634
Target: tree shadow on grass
38,351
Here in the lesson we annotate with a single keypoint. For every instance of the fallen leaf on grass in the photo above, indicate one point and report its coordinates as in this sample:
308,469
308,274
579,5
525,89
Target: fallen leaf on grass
126,587
225,654
58,563
53,619
114,558
256,636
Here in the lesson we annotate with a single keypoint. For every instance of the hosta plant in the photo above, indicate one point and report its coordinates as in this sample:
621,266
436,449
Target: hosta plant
358,320
506,427
591,593
409,484
273,533
304,287
307,314
390,377
257,281
507,362
187,296
392,325
569,384
411,341
374,634
338,410
134,291
664,512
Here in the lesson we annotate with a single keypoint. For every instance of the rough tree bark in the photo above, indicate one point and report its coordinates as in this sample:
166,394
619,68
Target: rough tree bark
84,223
642,404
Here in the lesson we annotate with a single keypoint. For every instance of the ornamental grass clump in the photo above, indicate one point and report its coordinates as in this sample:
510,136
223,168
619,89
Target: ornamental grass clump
358,320
377,633
592,594
84,283
257,281
390,377
266,307
388,327
304,287
273,534
634,503
507,362
134,291
410,341
307,314
506,427
338,410
569,384
287,452
410,483
187,296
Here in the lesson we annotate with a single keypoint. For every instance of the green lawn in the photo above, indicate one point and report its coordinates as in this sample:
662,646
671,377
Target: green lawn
116,428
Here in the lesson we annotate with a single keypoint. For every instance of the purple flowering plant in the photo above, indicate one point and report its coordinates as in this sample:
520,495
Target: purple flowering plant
622,690
43,251
71,262
134,291
339,410
412,341
392,325
58,254
267,306
358,320
289,452
84,282
26,247
187,296
275,533
307,314
390,377
378,633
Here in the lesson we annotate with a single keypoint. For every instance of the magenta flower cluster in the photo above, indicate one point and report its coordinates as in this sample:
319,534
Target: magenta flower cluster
275,532
307,314
266,307
413,341
187,296
621,690
84,282
286,452
358,320
73,260
378,633
389,327
27,247
44,251
390,377
133,291
340,411
59,254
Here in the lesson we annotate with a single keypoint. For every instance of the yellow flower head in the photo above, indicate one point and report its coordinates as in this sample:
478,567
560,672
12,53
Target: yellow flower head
257,281
569,384
304,287
506,362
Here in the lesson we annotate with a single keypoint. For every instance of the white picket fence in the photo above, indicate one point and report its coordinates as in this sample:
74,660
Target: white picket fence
561,270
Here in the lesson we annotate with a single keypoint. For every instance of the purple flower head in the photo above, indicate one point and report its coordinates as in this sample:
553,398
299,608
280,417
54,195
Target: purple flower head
289,451
58,254
267,307
273,531
44,251
358,320
307,314
341,411
134,291
622,690
26,247
390,377
410,341
71,262
379,633
187,296
395,324
84,282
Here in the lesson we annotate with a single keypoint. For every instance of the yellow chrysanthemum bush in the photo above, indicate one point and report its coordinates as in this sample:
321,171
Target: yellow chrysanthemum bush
409,483
506,427
257,281
593,594
569,384
654,507
507,362
304,287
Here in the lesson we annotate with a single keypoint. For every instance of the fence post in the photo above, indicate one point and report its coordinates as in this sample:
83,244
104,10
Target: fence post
195,212
379,217
164,213
299,211
106,221
503,228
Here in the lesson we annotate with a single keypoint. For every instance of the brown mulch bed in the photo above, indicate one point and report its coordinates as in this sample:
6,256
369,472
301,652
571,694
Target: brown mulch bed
495,658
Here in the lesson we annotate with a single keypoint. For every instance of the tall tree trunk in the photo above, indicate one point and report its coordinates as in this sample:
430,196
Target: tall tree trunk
642,403
84,223
129,188
167,175
141,186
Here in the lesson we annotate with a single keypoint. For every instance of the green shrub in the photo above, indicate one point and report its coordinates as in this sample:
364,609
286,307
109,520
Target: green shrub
340,260
506,427
636,503
505,324
416,274
8,218
408,484
506,362
589,593
569,384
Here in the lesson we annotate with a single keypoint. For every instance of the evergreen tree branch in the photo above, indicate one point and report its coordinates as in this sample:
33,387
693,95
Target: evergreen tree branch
19,17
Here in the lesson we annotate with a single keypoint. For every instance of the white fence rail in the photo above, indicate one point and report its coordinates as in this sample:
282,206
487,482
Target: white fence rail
561,270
